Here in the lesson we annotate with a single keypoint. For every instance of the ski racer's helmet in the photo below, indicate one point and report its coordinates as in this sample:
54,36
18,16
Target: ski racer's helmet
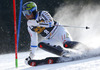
29,8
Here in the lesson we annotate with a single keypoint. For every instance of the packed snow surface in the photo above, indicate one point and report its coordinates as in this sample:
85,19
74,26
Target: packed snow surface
7,62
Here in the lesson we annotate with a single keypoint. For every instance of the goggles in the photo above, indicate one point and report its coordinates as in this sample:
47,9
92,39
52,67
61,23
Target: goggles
28,12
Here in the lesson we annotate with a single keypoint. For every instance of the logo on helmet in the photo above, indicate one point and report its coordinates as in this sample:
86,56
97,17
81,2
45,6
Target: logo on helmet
30,6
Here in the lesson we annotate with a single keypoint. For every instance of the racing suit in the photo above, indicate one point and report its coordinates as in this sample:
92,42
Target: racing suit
48,28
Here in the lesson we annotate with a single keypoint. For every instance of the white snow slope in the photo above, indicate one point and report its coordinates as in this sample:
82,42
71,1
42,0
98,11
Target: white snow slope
7,62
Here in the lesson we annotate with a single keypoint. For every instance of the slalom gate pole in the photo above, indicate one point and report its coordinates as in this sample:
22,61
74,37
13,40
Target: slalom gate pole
15,33
19,23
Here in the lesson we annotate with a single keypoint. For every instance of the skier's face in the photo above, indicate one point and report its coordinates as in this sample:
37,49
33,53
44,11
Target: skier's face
29,17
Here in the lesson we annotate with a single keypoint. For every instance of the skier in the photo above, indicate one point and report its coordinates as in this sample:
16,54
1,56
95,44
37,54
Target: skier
41,22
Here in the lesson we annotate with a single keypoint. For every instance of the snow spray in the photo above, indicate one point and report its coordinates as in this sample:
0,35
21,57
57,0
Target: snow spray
87,15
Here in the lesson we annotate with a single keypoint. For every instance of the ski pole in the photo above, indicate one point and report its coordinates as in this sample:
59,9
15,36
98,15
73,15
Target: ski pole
74,26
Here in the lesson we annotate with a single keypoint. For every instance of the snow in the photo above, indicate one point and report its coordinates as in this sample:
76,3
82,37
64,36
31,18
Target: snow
8,63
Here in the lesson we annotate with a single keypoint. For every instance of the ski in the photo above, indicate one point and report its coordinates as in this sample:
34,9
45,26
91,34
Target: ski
49,60
69,54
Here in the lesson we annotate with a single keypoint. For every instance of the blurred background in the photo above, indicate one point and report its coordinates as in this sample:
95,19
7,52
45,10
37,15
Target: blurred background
7,24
